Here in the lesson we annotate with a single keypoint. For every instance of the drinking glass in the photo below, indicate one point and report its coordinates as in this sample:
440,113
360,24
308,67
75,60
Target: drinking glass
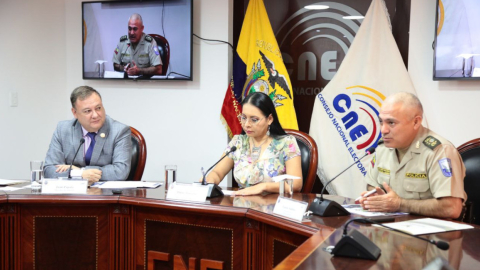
36,173
170,175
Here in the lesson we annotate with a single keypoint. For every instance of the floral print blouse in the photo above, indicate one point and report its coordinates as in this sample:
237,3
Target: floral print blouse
270,163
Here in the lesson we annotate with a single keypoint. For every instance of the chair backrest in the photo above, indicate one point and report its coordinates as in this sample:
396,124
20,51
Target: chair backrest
309,151
164,50
470,152
139,155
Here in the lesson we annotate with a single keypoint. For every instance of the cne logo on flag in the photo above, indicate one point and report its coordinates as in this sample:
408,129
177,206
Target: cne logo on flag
355,115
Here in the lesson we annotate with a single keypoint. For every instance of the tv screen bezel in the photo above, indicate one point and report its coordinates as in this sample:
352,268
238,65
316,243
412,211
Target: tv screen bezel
434,45
180,76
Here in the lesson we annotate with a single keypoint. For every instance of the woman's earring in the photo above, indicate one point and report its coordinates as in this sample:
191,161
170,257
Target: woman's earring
268,131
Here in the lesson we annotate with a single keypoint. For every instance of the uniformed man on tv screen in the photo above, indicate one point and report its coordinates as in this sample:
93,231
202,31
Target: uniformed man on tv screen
137,53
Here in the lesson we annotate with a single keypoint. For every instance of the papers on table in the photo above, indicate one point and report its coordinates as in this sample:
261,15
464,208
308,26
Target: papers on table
427,226
283,177
228,192
357,209
126,184
10,188
5,182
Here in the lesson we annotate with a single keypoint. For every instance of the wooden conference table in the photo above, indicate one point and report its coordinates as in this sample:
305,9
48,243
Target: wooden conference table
139,229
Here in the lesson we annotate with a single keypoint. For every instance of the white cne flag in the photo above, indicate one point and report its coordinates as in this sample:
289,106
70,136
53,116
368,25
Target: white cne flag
345,119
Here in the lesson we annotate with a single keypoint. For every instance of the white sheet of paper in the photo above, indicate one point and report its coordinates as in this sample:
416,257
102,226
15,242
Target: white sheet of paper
427,226
283,177
127,184
290,208
187,192
10,188
357,209
227,192
113,74
7,182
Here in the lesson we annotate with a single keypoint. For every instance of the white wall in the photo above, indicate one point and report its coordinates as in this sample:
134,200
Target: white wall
451,107
43,63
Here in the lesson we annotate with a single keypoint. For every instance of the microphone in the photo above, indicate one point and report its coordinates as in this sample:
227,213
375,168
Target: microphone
357,245
328,208
215,190
82,141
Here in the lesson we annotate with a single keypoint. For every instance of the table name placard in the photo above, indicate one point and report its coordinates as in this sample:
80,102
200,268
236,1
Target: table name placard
54,186
187,192
290,208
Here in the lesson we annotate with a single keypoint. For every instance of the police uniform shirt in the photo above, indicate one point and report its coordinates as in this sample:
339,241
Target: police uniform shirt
431,168
145,54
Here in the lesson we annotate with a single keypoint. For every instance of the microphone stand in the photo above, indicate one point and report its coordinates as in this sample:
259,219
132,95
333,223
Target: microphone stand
215,190
82,141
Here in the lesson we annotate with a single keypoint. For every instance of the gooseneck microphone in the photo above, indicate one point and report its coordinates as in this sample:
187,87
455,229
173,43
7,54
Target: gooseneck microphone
357,245
328,208
215,191
440,244
82,141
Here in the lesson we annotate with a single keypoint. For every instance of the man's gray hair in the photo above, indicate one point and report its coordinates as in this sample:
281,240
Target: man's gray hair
408,100
136,17
82,92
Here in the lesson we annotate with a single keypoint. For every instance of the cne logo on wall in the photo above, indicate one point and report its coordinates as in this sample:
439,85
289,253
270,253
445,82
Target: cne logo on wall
354,113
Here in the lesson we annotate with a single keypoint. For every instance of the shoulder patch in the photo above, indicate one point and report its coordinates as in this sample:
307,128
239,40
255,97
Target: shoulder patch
148,38
431,142
123,38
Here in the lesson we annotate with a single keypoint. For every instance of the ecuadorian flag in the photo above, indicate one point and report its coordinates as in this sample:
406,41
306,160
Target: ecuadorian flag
258,67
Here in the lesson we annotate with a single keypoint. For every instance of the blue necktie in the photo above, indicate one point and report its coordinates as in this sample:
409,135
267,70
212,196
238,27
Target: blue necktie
88,155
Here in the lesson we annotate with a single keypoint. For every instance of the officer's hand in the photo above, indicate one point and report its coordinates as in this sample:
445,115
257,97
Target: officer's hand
133,70
92,175
389,202
64,168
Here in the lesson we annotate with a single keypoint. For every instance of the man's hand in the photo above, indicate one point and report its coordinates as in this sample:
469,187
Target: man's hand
133,69
381,201
92,175
253,190
64,168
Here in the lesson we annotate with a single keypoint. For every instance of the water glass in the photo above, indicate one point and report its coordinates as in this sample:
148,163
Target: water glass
36,174
289,183
170,175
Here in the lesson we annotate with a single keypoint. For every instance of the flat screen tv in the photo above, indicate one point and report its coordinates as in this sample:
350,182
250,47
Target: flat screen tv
111,35
457,40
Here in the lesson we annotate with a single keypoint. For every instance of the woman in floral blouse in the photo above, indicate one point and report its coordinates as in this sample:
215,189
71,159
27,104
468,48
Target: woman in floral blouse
264,150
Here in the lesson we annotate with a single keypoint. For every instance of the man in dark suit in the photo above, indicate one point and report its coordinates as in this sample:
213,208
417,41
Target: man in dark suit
106,153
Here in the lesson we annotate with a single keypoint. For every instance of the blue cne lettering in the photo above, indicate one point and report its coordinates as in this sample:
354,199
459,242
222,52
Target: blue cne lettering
338,107
358,132
350,119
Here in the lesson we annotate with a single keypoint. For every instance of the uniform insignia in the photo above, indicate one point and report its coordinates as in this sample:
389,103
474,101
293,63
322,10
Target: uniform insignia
148,38
155,49
431,142
446,166
382,170
416,175
123,38
374,159
116,50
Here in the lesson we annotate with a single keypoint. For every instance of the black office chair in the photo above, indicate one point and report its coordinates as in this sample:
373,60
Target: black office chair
139,155
164,50
309,151
470,152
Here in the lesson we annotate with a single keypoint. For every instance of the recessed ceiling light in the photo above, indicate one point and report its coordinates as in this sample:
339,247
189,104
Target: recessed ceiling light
316,7
317,30
353,17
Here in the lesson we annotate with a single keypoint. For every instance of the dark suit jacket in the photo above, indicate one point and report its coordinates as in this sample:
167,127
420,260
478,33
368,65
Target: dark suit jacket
111,154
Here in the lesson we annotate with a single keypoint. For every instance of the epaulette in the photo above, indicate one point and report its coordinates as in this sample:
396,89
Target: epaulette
431,142
123,38
148,38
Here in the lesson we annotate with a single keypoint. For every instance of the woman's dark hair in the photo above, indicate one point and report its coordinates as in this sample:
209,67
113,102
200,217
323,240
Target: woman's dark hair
265,104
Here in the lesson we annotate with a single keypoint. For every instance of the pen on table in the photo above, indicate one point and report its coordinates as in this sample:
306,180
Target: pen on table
367,194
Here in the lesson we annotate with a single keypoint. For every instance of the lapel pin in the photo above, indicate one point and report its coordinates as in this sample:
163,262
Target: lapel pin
418,144
102,135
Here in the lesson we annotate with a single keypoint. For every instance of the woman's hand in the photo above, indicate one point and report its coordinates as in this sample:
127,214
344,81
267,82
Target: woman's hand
253,190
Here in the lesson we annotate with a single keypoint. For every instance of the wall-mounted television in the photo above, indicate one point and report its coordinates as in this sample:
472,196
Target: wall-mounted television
457,40
115,48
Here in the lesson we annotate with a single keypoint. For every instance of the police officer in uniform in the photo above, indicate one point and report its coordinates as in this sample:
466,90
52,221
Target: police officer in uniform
137,54
414,170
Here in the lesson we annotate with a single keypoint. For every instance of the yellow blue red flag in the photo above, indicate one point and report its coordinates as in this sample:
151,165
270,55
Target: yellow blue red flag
258,67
